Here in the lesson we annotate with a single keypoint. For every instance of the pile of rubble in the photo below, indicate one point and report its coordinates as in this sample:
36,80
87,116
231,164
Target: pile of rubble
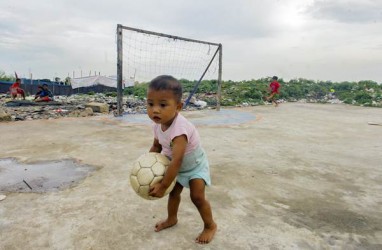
72,106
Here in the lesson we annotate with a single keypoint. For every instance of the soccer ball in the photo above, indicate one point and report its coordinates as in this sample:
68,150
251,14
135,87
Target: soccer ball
148,170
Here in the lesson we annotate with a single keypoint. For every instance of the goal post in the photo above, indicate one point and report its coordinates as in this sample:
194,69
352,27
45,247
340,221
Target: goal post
143,55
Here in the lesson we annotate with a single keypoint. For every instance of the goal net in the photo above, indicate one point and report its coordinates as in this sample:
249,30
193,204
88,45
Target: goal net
143,55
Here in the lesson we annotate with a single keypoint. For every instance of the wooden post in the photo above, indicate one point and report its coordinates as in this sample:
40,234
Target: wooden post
219,93
119,69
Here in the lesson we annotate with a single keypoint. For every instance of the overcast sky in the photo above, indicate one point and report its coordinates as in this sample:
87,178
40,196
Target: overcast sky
338,40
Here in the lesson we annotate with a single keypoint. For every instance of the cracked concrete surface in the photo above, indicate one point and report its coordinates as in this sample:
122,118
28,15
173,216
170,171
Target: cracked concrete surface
301,176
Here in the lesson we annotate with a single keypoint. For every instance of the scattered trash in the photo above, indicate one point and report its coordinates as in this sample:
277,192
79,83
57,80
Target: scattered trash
375,123
61,110
201,104
2,197
27,184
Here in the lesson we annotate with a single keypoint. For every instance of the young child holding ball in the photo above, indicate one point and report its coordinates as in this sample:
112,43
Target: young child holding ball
178,139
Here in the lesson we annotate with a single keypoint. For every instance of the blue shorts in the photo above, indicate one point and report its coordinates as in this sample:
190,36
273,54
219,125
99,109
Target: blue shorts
194,166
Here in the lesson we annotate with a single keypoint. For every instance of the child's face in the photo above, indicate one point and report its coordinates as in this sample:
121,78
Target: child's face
162,106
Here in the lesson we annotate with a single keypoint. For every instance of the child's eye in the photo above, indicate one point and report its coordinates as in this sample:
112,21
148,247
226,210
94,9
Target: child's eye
163,105
150,104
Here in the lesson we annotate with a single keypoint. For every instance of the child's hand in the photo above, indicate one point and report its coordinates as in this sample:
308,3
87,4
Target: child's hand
157,190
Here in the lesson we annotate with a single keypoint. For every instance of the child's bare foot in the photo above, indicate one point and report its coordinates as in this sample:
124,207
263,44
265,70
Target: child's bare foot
165,224
206,236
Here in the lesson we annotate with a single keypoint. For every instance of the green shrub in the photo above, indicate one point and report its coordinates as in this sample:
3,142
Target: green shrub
128,90
363,98
253,91
112,94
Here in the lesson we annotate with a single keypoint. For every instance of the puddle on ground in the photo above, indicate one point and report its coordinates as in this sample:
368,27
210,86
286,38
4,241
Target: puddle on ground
206,117
41,176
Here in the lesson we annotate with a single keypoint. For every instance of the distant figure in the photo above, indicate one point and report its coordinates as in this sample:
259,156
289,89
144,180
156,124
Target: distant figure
274,88
44,94
39,91
15,89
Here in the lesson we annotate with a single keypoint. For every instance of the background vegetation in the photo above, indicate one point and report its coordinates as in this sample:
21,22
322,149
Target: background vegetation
6,78
252,92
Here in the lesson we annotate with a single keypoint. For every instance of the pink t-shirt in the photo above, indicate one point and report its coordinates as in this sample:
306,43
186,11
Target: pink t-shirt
180,126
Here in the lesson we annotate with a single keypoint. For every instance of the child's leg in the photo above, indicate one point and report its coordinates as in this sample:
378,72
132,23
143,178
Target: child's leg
274,100
22,93
270,97
197,188
172,209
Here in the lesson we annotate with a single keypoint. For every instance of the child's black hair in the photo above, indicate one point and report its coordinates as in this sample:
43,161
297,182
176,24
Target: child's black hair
166,82
275,78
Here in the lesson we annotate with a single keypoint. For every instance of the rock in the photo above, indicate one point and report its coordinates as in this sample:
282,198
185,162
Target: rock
19,118
74,113
4,116
86,112
89,111
193,100
98,107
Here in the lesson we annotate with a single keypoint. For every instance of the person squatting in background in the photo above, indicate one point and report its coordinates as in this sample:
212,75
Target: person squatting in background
43,94
16,90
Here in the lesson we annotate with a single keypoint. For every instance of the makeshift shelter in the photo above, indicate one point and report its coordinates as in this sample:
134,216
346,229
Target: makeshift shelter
96,84
93,80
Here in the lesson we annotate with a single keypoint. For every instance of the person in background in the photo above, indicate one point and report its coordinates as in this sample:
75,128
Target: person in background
16,90
44,94
274,88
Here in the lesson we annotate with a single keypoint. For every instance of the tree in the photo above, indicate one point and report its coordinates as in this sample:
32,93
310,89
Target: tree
5,77
68,81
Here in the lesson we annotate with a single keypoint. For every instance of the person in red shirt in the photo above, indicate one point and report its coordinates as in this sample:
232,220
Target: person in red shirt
16,90
274,88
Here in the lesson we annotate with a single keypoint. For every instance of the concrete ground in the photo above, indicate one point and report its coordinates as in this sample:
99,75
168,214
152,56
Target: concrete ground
301,176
